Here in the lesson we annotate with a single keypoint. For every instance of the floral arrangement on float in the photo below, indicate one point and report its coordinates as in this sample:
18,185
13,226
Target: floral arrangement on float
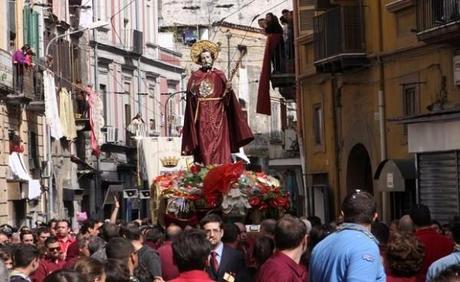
189,194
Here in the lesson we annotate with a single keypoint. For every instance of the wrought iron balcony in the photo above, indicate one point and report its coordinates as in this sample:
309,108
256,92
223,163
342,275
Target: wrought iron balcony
438,20
339,39
285,76
27,88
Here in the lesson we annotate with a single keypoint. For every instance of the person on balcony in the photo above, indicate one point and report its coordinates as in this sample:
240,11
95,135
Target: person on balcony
19,60
272,62
28,59
274,32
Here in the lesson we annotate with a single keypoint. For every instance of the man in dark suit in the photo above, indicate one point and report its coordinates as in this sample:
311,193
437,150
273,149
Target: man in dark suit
224,262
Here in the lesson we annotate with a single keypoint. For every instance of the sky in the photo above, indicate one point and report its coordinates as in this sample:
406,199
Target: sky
205,12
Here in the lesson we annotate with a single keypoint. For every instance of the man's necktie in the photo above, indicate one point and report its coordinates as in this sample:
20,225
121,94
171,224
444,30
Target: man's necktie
214,263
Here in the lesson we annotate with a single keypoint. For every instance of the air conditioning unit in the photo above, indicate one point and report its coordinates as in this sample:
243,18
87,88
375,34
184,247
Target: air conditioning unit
456,63
112,135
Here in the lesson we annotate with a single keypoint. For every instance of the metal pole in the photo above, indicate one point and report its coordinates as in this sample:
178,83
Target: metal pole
166,115
50,172
139,104
95,190
229,71
138,27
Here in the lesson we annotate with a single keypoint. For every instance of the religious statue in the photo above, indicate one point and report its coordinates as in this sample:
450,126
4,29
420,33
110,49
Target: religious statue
214,125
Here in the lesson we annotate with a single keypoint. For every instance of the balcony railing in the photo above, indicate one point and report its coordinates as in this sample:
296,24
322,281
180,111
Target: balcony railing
27,87
283,59
438,20
339,38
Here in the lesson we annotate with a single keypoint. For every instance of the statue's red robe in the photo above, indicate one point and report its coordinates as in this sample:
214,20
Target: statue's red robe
214,126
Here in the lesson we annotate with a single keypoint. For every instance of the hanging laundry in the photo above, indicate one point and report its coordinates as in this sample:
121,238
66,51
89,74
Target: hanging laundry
19,170
96,120
66,115
51,107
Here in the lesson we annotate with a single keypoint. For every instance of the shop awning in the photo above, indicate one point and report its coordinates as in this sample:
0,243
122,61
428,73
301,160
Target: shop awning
439,115
392,175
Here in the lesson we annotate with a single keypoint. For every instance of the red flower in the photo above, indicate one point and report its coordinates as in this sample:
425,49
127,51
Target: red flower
263,206
263,188
280,202
255,201
193,197
212,200
195,169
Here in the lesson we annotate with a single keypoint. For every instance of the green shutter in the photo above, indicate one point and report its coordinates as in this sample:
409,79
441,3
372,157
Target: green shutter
33,31
26,15
31,28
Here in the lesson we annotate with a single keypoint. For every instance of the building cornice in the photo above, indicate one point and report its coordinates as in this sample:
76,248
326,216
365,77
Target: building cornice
398,5
144,59
238,26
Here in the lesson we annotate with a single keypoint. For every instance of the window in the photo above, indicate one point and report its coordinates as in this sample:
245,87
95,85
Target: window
12,24
409,101
410,104
33,151
318,124
152,108
103,91
127,98
275,132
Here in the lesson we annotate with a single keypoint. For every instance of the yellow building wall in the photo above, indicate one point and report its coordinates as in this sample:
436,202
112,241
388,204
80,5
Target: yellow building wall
405,59
21,122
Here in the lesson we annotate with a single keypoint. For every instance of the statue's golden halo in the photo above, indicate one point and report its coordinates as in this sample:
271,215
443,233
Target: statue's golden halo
200,46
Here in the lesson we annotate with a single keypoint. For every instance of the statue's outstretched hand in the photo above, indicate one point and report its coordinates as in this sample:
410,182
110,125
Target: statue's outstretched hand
228,86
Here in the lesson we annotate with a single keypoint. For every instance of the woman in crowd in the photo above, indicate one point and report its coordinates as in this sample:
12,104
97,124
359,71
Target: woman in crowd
91,269
404,257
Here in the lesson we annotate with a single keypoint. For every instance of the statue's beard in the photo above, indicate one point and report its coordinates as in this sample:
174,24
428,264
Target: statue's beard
206,66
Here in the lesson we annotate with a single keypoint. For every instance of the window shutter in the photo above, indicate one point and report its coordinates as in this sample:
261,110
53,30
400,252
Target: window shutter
31,28
33,31
26,14
306,14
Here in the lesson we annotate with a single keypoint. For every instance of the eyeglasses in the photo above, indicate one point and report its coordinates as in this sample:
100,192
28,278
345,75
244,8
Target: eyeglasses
53,249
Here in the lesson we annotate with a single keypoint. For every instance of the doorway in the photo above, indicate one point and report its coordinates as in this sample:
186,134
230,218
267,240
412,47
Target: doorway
359,170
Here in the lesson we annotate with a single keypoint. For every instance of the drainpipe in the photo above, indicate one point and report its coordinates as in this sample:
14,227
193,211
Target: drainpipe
336,115
300,118
381,106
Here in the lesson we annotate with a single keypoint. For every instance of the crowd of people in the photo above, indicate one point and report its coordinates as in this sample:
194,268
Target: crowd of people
357,247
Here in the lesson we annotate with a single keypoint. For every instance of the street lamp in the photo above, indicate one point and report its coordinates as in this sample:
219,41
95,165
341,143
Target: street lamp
92,25
170,95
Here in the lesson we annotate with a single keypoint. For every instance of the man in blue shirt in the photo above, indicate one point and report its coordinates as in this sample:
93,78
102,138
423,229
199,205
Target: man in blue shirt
351,253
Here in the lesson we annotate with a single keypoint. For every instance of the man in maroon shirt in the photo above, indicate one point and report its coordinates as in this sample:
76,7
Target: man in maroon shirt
64,238
51,262
291,242
436,245
169,269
